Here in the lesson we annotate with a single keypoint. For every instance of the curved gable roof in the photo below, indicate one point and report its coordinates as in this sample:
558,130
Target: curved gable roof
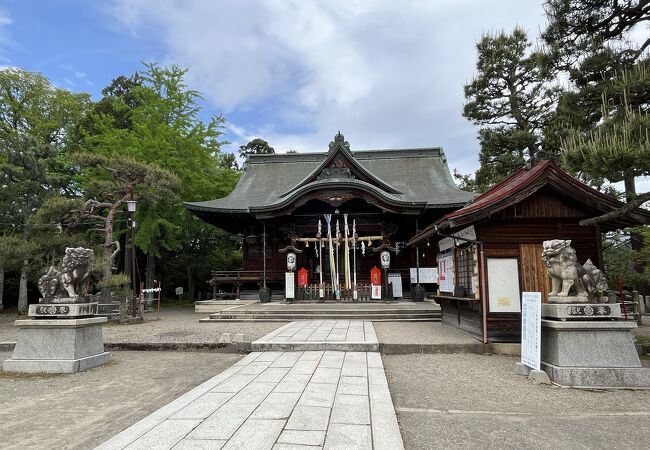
414,178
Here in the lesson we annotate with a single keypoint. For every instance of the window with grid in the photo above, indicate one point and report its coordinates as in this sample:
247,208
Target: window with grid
465,267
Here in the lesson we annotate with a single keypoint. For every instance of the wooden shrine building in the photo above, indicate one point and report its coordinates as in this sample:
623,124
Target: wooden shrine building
282,200
490,250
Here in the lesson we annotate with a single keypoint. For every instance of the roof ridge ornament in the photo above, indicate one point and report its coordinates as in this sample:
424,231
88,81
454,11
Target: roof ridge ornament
339,142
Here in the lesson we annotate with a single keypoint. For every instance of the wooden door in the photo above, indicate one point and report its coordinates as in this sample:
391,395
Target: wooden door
533,272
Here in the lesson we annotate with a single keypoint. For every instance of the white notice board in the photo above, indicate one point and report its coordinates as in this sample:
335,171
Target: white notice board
531,329
428,275
396,280
289,288
503,285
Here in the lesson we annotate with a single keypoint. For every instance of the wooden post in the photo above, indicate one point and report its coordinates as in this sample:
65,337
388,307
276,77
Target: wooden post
483,289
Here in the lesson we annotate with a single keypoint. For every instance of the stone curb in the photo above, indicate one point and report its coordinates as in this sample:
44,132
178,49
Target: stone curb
387,349
477,348
219,347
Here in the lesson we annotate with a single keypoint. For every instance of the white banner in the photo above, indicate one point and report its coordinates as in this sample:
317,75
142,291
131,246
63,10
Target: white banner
428,275
289,288
376,292
531,329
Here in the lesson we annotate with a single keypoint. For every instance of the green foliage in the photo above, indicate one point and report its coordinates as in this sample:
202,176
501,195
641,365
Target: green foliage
164,129
578,29
618,148
465,182
257,146
619,258
511,98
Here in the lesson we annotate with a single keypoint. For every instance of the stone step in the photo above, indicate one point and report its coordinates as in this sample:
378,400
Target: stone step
286,319
345,314
325,316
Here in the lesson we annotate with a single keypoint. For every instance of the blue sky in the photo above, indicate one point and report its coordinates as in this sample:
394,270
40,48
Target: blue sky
387,74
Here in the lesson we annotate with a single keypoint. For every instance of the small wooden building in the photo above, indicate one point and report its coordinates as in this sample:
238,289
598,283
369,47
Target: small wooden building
490,250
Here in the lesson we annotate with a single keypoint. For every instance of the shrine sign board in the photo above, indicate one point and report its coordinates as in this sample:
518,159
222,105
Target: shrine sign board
289,287
531,329
396,280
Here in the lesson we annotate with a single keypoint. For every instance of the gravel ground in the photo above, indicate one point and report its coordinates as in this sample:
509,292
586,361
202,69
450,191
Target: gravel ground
82,410
465,401
421,333
177,325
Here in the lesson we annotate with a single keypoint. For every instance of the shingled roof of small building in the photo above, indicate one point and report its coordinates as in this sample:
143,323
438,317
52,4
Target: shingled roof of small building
524,183
417,177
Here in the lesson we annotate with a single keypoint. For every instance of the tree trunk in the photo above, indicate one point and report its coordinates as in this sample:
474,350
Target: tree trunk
23,301
2,287
109,251
636,242
151,270
190,282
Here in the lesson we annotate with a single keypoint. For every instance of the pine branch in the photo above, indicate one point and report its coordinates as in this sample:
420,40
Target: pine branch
620,212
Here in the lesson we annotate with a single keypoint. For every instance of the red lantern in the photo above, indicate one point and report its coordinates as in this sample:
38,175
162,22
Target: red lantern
375,276
303,277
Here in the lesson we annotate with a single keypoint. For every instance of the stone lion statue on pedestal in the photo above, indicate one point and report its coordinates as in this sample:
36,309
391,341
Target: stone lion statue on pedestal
570,279
72,281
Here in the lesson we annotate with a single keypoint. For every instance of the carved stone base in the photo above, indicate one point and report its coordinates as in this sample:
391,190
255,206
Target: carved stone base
581,311
57,346
61,310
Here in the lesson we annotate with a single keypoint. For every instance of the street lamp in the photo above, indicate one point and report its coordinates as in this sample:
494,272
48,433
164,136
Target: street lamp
131,207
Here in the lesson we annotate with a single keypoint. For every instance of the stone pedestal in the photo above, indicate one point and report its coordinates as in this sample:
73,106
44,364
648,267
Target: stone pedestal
592,353
57,345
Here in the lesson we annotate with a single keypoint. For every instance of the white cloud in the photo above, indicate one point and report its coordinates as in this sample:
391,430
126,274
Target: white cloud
385,73
5,19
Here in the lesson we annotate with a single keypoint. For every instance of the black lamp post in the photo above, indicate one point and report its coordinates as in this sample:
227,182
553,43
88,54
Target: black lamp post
131,206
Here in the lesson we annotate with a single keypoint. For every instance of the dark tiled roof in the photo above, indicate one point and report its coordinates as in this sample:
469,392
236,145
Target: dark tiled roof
415,175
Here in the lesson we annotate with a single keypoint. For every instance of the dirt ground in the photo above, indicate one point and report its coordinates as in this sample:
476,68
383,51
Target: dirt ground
475,401
82,410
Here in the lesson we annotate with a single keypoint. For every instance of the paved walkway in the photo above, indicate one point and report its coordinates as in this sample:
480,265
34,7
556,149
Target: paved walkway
341,335
275,400
279,401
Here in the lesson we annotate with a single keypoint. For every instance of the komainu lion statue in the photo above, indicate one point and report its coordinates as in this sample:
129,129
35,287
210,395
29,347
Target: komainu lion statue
72,281
568,277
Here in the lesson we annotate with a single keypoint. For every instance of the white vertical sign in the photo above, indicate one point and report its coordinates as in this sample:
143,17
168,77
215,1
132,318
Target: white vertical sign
531,329
289,288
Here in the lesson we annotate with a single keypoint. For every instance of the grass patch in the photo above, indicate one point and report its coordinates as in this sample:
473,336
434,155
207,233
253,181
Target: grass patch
640,339
175,303
28,376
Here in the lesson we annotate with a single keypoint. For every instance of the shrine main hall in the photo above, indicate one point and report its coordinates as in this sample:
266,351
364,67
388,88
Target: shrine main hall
375,201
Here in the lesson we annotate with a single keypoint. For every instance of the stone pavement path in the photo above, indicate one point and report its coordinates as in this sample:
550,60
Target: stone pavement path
279,401
342,335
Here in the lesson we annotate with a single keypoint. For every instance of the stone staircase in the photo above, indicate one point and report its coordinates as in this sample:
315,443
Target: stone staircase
376,312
